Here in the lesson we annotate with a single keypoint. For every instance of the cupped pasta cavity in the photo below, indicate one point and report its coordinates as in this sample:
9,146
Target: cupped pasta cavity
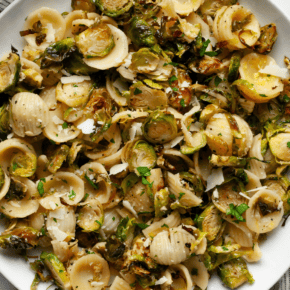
228,135
64,250
57,129
29,114
61,223
255,85
24,207
52,23
65,185
90,272
170,247
265,211
96,180
236,26
183,280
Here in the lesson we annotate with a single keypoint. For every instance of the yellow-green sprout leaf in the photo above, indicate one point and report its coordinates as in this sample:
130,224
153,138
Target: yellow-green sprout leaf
23,165
161,201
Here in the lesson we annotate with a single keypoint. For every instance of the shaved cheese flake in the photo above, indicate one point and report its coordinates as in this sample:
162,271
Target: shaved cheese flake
118,168
173,142
74,79
215,194
52,205
275,70
129,207
50,34
161,281
244,195
135,130
216,178
185,84
57,233
10,135
96,284
195,127
56,120
258,188
58,214
147,243
120,85
87,127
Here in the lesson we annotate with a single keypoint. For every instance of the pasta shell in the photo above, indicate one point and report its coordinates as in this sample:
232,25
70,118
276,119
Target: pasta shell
169,247
48,96
256,221
116,56
120,284
24,207
186,7
90,272
184,279
50,19
64,250
29,114
77,14
5,187
111,221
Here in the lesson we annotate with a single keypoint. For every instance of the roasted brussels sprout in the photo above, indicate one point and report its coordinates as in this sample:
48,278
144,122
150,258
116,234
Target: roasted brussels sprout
234,67
146,98
234,273
125,229
141,33
115,250
140,154
210,221
4,119
160,127
221,161
161,201
85,5
20,238
76,66
144,61
58,158
57,52
129,181
96,41
113,8
23,165
267,39
9,72
56,269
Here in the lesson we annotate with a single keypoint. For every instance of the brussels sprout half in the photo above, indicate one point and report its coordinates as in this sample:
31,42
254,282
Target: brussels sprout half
234,67
57,52
267,39
210,221
96,41
56,269
23,165
233,161
20,238
125,229
141,154
160,127
161,201
234,273
9,72
141,33
113,8
4,119
58,158
85,5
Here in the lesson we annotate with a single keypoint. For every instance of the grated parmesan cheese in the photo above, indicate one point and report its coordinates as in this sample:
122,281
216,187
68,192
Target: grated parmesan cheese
147,243
50,34
57,233
243,195
87,126
215,194
161,281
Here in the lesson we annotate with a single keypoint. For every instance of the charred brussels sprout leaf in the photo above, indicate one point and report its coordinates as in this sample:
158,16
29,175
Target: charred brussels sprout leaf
210,221
2,177
141,33
23,165
267,39
115,249
113,8
85,5
235,273
96,41
9,72
125,228
144,61
16,191
57,52
20,238
234,67
160,128
76,66
129,181
4,119
58,158
56,269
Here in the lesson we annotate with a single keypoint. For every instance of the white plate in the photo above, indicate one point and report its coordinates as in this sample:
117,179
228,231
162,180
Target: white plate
276,253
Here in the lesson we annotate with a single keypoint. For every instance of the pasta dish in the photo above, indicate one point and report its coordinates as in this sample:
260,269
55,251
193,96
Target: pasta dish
144,144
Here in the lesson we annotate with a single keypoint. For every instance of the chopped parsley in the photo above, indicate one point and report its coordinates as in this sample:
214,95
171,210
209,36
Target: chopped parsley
172,79
164,226
182,103
263,95
225,248
40,188
112,141
94,185
288,144
181,194
142,226
237,211
204,47
137,91
64,125
72,195
217,81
